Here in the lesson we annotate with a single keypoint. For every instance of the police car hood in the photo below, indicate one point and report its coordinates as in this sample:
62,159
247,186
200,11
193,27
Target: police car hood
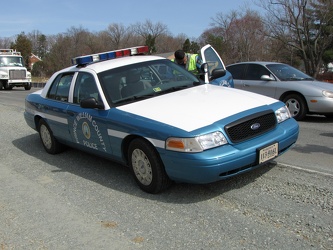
196,107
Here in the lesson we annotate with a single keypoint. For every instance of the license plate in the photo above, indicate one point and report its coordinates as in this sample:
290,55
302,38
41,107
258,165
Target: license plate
269,152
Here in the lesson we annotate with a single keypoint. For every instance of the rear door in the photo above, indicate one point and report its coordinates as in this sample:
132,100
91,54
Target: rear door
55,105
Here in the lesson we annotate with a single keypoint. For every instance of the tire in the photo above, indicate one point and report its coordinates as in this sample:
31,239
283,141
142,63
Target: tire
27,87
147,167
296,105
6,86
50,144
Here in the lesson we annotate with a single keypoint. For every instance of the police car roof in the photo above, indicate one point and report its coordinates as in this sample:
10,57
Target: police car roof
119,62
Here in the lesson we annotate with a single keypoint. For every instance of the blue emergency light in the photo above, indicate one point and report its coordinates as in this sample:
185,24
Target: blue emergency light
82,60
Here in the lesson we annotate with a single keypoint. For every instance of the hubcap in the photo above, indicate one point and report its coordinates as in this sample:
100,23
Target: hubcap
141,166
46,137
293,106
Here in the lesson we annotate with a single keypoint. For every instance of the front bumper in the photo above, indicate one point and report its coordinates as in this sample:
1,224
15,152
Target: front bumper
320,105
20,82
229,160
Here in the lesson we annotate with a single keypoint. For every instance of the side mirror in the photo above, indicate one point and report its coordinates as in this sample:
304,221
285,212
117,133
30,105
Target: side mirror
267,78
91,103
217,73
204,68
204,75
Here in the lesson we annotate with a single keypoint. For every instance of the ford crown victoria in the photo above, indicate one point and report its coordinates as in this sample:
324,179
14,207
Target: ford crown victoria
148,113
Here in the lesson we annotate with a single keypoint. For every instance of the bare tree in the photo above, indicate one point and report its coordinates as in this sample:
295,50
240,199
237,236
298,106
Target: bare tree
150,32
118,35
239,36
38,42
302,26
59,55
5,42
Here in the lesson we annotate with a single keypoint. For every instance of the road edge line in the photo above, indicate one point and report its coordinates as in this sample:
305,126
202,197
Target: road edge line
306,170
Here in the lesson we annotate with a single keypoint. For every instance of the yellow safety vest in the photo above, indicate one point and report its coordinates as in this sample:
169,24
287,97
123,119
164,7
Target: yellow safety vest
191,64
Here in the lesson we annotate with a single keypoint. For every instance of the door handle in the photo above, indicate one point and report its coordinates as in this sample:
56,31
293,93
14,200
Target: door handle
71,113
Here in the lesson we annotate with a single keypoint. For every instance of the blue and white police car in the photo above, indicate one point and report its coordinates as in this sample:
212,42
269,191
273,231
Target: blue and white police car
148,113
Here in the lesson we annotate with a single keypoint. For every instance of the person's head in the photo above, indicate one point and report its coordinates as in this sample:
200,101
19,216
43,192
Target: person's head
180,57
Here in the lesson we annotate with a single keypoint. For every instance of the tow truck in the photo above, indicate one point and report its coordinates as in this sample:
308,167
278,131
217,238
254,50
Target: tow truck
13,73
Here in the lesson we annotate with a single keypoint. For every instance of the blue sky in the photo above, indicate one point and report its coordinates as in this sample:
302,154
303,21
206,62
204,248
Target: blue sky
51,17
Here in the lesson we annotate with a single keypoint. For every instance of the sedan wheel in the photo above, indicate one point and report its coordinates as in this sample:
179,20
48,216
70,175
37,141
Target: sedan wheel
51,145
147,167
141,167
296,105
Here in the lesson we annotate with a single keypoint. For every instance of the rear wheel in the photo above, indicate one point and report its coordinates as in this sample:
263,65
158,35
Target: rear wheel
296,105
51,145
147,167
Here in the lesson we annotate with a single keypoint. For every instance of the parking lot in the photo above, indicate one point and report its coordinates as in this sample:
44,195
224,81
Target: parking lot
79,201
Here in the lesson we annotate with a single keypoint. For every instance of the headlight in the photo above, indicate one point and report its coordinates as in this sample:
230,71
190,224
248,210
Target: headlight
328,93
282,114
196,144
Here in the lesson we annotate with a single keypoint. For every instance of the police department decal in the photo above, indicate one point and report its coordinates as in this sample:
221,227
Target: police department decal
86,130
91,136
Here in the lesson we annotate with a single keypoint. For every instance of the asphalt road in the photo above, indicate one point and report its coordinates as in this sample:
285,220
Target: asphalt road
314,147
79,201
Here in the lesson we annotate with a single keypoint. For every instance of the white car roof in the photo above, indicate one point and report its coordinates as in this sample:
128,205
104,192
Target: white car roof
119,62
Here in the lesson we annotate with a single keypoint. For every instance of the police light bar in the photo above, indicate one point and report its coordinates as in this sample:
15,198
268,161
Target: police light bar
82,60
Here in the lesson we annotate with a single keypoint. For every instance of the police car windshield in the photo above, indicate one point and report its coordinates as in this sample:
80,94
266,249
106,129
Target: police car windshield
144,80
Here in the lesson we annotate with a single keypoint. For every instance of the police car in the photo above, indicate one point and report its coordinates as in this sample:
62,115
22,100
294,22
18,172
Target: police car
148,113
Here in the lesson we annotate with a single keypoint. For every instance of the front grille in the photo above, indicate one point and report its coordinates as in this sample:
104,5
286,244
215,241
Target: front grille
251,126
17,74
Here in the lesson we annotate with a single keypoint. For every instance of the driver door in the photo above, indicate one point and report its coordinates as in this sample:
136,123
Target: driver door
252,80
87,126
211,57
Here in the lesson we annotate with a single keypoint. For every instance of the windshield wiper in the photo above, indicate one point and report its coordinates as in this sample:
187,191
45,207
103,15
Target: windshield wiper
134,98
165,91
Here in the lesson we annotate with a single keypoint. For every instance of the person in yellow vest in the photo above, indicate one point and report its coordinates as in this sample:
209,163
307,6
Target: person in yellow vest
191,62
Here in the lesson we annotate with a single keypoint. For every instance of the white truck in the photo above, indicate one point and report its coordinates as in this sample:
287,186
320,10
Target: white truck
13,73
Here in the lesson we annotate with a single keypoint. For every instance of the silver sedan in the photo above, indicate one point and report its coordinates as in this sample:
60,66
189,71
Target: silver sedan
302,94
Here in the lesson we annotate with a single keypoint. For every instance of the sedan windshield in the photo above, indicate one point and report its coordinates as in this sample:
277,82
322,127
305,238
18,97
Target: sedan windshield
287,73
144,80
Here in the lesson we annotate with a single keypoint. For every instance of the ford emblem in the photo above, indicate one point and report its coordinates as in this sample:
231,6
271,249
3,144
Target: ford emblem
255,126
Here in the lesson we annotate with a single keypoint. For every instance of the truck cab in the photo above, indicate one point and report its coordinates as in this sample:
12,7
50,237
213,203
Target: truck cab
13,73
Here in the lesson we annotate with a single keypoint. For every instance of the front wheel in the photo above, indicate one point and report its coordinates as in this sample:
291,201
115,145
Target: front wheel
28,86
51,145
147,167
296,105
6,86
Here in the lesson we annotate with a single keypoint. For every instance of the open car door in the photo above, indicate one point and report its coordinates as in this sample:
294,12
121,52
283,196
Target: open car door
211,57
